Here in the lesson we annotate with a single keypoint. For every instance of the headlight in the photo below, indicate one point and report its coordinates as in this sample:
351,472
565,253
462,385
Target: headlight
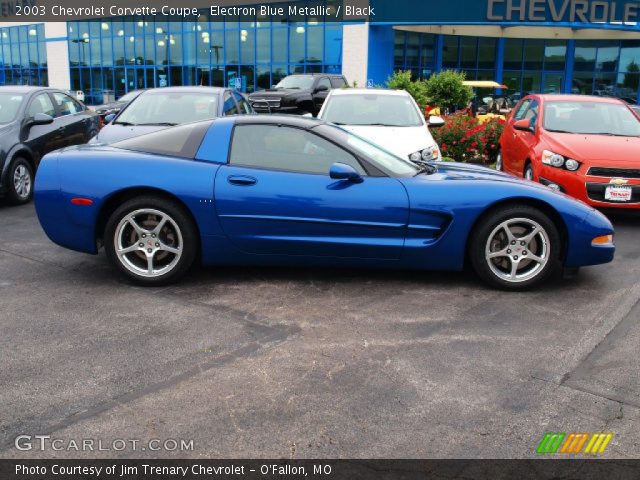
558,161
572,164
427,154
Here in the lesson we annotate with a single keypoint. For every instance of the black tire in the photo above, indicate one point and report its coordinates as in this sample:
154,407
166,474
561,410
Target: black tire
490,238
528,172
179,233
20,191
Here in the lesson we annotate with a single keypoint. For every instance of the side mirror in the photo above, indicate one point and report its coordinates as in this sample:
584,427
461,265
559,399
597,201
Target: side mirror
322,88
109,118
342,171
308,115
523,126
40,119
436,122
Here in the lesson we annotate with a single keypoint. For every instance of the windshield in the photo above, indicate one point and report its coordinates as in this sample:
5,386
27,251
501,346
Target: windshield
299,82
9,106
591,118
372,109
130,96
385,161
171,108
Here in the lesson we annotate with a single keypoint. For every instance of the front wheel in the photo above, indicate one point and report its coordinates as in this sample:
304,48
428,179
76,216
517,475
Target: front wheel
516,248
528,172
153,241
499,165
20,188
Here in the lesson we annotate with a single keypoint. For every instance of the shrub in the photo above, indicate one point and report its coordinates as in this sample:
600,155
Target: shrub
416,88
447,90
465,139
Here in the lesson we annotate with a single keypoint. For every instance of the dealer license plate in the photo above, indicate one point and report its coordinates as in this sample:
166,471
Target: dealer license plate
615,193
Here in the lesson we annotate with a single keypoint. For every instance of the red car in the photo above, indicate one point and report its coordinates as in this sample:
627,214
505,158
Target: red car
587,147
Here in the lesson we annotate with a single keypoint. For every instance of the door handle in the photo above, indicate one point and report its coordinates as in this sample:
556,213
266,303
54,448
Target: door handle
242,180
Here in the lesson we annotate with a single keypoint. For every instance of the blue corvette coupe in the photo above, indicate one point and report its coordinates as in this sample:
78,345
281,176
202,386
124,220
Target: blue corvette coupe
280,190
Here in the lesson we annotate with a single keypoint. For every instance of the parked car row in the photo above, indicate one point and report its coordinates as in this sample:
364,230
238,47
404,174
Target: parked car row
359,186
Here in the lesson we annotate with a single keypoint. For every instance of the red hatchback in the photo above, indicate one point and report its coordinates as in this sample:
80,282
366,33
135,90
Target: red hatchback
587,147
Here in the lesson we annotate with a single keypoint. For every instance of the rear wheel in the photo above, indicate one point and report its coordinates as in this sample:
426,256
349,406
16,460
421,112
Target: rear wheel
516,248
20,188
151,240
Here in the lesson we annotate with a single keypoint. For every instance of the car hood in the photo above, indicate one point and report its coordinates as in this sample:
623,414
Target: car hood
595,149
109,106
114,132
401,141
271,93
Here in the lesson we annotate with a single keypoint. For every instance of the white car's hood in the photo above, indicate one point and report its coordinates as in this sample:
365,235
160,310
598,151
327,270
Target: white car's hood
401,141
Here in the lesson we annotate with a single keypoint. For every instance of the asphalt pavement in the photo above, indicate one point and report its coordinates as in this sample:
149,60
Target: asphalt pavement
312,363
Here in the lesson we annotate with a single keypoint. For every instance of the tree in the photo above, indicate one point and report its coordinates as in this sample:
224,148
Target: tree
447,90
402,81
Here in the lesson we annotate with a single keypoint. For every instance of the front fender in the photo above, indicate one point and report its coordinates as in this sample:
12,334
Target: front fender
464,201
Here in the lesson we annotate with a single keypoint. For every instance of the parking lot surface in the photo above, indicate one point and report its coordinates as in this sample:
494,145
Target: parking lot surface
312,363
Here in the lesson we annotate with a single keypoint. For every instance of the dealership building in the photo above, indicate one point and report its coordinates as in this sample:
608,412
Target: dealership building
550,46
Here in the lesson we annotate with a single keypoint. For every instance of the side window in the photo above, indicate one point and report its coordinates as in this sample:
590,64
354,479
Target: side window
66,104
521,110
243,105
41,103
229,107
286,148
532,114
337,82
326,82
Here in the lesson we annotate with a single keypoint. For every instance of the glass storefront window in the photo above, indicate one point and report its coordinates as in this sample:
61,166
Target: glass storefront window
555,55
23,55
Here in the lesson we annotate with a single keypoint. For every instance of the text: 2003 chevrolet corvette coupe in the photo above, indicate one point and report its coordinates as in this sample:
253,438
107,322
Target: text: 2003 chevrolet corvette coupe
296,191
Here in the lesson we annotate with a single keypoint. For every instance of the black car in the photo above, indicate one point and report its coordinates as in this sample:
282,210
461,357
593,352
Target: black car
114,107
35,121
297,94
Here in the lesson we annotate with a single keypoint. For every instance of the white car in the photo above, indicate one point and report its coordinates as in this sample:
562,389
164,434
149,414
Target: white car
388,118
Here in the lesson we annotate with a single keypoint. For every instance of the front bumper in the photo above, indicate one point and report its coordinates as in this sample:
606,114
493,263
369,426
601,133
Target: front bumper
590,189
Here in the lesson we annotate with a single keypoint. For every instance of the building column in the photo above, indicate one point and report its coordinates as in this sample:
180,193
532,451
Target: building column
381,46
568,71
57,55
439,52
500,63
355,53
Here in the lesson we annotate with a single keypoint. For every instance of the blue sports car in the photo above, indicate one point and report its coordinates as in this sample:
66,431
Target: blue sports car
280,190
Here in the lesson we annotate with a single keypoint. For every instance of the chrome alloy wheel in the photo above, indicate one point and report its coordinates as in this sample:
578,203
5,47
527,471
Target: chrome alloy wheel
148,243
22,182
499,162
518,250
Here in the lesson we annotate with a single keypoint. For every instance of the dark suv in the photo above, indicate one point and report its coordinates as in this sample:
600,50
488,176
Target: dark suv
297,94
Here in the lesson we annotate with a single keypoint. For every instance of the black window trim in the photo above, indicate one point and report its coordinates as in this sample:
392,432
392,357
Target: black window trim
371,171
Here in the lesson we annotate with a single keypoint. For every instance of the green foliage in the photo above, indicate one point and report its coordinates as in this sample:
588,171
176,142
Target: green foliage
446,90
416,88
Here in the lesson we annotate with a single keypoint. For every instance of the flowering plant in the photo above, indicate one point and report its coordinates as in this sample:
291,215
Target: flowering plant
466,139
